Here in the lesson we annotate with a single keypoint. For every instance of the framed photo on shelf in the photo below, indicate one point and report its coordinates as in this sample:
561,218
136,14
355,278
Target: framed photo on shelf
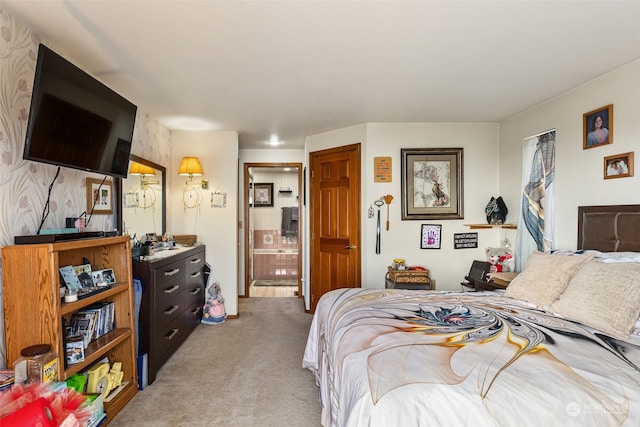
84,275
430,236
70,278
597,127
432,183
618,166
99,197
102,277
263,194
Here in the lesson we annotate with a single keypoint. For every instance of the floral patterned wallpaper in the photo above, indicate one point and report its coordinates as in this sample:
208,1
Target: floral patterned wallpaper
24,185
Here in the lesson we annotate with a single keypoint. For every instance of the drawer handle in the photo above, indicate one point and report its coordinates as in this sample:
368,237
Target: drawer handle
196,274
172,289
195,261
172,334
172,272
171,310
196,291
196,311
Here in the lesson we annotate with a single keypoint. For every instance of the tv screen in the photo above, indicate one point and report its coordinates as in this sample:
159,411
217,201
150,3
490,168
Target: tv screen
76,121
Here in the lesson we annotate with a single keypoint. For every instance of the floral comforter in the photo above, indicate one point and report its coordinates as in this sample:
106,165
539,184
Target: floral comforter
414,358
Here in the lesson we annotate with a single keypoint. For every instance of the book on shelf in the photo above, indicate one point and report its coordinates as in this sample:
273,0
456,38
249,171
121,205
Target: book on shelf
93,321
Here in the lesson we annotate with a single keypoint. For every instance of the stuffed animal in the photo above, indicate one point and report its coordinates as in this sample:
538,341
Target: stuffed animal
213,311
499,258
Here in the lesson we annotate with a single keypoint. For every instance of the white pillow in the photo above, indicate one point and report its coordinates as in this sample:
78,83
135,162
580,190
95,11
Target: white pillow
604,296
545,277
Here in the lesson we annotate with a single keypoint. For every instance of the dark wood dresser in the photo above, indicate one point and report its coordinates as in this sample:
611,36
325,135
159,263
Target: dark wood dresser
172,300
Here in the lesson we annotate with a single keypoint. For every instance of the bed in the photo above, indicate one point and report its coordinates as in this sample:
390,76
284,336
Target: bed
561,346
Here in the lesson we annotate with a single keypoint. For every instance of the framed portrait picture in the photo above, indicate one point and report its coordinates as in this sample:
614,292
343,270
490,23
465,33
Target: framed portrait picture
263,194
430,236
99,197
618,166
431,183
597,127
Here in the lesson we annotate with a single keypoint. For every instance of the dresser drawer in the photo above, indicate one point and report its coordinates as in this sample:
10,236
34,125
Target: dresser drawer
167,312
193,294
194,265
169,272
192,316
169,337
168,291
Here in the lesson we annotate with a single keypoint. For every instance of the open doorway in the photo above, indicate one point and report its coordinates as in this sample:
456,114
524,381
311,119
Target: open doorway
272,235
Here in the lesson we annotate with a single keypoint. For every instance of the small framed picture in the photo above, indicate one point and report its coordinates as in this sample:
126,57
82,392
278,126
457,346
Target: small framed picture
70,278
84,275
99,197
618,166
263,194
104,277
430,236
597,127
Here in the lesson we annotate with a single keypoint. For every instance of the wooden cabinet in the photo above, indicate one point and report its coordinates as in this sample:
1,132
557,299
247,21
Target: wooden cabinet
33,309
172,299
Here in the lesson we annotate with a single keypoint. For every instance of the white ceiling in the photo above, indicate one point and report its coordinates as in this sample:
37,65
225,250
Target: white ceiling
299,68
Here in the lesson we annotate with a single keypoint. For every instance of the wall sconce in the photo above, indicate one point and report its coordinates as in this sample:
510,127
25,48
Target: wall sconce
191,197
190,166
143,170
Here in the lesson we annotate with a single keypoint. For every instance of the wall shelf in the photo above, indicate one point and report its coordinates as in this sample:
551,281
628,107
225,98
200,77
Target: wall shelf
480,226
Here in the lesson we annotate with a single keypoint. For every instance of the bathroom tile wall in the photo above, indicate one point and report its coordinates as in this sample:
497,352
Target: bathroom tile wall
273,258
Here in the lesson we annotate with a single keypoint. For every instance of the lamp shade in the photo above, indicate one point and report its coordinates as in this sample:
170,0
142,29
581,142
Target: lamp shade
140,169
190,166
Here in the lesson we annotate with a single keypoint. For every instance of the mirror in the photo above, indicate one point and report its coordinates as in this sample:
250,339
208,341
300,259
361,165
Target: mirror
143,198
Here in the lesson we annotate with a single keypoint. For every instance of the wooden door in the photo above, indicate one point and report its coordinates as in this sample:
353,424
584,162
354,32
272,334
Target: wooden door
335,220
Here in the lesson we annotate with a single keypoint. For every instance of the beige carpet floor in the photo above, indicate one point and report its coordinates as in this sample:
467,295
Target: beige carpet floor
244,372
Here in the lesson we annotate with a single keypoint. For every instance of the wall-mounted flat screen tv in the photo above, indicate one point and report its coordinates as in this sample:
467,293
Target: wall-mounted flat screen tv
77,121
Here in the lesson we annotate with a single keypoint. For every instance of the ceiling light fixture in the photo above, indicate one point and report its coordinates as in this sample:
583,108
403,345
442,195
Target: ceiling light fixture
274,142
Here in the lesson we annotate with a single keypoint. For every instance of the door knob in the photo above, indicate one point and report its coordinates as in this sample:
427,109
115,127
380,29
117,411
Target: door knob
350,247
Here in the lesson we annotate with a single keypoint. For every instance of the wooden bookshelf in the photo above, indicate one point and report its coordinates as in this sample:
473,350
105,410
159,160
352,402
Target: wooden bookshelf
33,309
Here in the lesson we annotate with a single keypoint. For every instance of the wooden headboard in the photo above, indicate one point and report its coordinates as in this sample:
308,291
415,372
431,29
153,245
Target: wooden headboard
613,228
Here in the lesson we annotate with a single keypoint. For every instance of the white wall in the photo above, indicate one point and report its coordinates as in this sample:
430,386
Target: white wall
447,265
579,173
215,227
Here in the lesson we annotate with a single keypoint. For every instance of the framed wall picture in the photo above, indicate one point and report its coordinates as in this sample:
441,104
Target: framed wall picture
597,127
618,166
263,194
430,236
99,197
432,183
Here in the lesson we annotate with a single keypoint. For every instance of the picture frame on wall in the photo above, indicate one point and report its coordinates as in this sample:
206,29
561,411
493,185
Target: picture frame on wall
597,127
263,194
432,183
99,197
430,236
618,166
